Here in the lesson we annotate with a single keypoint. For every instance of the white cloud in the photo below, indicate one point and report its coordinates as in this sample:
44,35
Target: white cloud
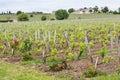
50,5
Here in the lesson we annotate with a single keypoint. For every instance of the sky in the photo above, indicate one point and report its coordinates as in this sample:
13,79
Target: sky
52,5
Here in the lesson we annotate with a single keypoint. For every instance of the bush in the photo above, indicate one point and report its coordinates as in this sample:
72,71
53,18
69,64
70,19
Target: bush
6,20
52,19
43,18
27,57
91,72
71,10
31,15
23,17
71,56
57,64
108,59
103,52
61,14
19,12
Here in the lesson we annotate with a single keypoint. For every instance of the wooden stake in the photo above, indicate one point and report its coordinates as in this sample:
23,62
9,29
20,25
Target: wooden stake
96,63
87,43
111,41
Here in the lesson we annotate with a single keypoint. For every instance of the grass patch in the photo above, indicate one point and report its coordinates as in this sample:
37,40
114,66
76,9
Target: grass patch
15,72
109,77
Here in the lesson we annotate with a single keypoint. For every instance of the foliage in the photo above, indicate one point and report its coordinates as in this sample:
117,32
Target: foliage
91,72
95,9
26,45
61,14
43,18
105,9
58,65
108,59
19,12
71,56
27,57
103,52
115,12
52,19
82,48
71,10
23,17
15,44
6,21
54,51
118,70
31,15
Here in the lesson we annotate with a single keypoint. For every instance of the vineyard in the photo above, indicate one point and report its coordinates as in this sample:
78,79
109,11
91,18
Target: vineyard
76,48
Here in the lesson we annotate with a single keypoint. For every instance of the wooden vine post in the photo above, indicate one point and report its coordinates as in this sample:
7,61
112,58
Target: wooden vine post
44,57
54,36
66,38
87,43
38,34
96,62
49,37
111,41
88,51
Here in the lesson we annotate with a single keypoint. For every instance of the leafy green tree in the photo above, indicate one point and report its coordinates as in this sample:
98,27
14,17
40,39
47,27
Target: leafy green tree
71,10
23,17
119,10
90,11
105,9
19,12
96,9
61,14
43,18
115,12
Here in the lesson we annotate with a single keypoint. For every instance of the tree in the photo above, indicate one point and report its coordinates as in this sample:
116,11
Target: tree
61,14
95,9
71,10
9,12
43,18
23,17
90,11
105,9
19,12
119,10
115,12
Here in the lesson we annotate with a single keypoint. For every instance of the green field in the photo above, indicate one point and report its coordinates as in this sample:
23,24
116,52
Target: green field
36,17
15,72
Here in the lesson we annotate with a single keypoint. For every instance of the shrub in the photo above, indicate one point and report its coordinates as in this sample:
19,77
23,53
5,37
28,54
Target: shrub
58,64
71,56
19,12
56,67
27,57
103,52
91,72
6,21
23,17
61,14
108,59
31,15
43,18
52,19
71,10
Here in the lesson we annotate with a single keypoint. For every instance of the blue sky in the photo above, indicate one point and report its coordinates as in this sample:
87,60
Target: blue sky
50,5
